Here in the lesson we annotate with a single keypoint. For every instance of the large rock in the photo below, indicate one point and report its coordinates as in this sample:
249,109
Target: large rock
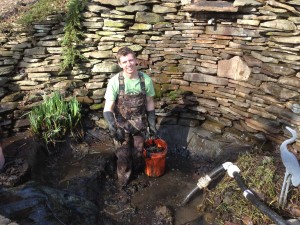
147,17
6,70
35,51
238,3
288,116
264,125
112,2
287,40
234,68
278,91
43,204
163,9
15,172
106,67
280,25
8,106
276,70
231,31
133,8
202,78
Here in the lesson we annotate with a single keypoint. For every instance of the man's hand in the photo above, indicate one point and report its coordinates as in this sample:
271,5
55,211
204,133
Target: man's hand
120,135
110,119
151,122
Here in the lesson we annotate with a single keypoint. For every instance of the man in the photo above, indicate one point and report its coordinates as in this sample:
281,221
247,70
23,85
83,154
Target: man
129,110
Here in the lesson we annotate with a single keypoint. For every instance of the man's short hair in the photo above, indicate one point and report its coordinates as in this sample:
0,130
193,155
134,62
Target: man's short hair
123,52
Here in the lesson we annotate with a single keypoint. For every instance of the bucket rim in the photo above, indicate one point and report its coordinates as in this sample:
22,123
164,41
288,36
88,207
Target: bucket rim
163,152
156,139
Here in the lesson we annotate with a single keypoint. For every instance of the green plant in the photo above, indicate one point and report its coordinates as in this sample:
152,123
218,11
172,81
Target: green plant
172,95
40,10
73,35
54,118
158,92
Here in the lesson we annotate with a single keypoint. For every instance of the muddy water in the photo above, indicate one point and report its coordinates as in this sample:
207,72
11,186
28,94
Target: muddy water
170,190
147,194
144,196
91,174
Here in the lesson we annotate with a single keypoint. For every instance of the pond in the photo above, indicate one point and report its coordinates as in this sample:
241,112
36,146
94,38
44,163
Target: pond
79,185
88,176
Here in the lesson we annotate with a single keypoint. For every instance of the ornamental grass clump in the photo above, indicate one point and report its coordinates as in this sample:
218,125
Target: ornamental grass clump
54,119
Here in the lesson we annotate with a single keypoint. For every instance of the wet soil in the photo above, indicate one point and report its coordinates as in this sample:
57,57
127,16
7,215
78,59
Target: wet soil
88,170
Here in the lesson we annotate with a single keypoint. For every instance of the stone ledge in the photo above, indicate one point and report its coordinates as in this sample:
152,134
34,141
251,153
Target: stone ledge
210,6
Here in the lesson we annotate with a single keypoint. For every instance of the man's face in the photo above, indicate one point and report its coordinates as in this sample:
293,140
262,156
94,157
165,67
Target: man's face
128,64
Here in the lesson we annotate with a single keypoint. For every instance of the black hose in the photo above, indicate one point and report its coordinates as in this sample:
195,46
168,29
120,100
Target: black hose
211,176
257,203
187,198
216,171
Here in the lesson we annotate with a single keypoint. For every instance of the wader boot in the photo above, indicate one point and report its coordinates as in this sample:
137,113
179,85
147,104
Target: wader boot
124,163
138,159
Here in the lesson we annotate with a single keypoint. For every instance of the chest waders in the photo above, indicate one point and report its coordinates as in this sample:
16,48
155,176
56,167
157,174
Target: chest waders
130,114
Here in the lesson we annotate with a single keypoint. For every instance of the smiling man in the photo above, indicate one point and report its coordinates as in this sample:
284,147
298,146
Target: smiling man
129,111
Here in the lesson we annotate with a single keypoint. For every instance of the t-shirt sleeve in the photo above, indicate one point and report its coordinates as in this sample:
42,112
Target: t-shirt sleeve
112,89
149,86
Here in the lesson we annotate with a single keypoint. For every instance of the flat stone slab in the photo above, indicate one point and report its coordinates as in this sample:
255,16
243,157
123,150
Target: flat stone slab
211,6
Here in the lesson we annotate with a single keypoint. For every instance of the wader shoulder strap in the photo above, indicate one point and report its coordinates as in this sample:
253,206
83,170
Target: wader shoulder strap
122,84
142,83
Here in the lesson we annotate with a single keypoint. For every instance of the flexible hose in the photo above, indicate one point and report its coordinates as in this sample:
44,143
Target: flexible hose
216,171
204,182
256,202
187,198
233,171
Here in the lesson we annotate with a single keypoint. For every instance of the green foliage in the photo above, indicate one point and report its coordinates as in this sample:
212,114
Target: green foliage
73,35
172,95
40,10
158,92
227,199
54,118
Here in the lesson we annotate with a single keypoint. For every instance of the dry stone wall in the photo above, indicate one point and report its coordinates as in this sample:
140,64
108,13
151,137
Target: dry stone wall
216,64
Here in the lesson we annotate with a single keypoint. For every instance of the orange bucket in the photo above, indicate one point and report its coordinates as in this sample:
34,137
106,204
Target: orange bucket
155,162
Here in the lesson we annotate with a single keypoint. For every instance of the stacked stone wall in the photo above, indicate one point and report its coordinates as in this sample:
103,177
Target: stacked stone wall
216,64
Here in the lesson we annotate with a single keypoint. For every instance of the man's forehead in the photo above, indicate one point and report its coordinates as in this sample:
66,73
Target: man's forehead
127,57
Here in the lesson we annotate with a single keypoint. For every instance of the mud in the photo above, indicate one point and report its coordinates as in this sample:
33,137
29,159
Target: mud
79,184
87,170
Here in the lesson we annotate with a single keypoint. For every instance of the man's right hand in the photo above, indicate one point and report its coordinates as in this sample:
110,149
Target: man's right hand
120,135
110,119
116,132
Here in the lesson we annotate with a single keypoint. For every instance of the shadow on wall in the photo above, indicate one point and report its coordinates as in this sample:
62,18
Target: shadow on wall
185,135
177,124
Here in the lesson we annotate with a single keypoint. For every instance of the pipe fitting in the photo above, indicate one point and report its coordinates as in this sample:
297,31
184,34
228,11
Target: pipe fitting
232,169
226,165
203,182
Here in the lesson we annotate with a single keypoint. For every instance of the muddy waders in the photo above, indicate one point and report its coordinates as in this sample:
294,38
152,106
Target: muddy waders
130,120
